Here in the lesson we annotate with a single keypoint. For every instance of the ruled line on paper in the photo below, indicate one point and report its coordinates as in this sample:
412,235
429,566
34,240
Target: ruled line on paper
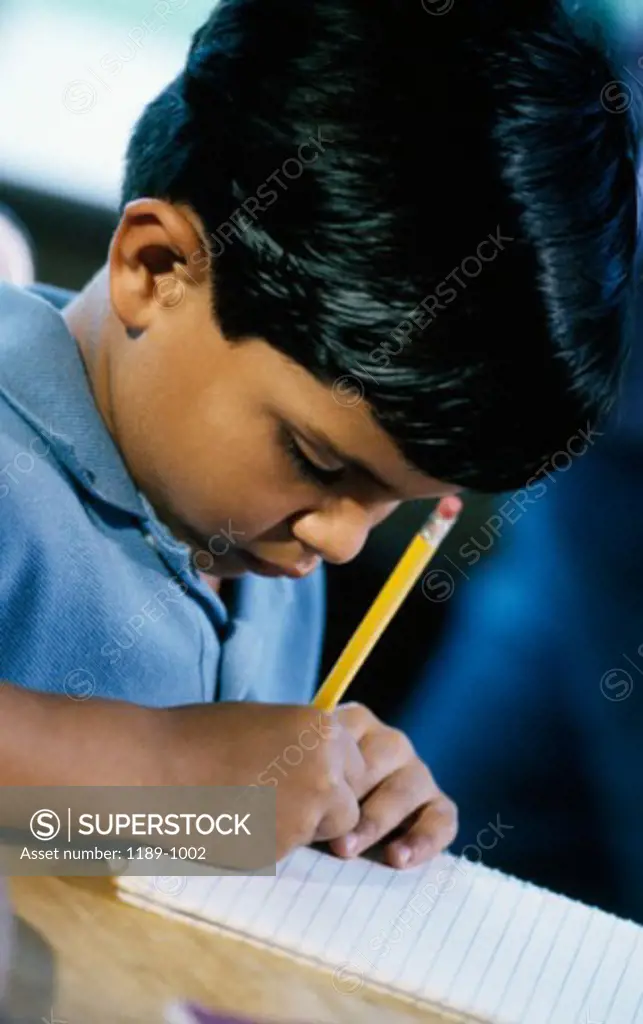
381,941
474,969
464,953
547,907
280,923
588,964
572,963
316,876
406,969
436,942
530,902
351,914
619,979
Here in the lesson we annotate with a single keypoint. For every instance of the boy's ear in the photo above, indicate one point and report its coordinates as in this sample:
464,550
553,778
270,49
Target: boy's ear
156,255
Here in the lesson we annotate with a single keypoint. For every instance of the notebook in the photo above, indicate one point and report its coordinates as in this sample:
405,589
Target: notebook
462,939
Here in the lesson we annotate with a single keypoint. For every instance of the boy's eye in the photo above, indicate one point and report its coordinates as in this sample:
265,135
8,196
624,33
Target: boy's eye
312,470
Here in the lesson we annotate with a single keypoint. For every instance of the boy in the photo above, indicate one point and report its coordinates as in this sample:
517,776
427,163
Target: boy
185,446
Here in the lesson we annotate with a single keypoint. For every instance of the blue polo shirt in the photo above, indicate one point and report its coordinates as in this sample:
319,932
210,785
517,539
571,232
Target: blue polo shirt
97,599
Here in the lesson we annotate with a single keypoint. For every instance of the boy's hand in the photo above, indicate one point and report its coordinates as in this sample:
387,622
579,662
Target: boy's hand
314,761
324,766
399,794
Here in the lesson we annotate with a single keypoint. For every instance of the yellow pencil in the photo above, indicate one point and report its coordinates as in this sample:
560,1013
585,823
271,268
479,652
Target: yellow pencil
406,573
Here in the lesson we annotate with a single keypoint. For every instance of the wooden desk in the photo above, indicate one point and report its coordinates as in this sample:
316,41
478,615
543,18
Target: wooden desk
115,964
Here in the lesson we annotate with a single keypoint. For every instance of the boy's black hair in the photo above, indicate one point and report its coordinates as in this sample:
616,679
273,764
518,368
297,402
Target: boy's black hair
432,134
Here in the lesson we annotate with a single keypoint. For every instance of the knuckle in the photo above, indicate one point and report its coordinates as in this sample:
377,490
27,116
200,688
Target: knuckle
357,714
362,710
326,724
423,777
333,757
342,816
306,828
401,743
343,800
329,782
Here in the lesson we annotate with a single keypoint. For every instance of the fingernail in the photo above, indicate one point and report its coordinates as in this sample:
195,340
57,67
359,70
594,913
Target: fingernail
351,844
403,855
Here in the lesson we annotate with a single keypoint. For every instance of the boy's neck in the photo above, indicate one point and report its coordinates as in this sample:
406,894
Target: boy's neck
212,582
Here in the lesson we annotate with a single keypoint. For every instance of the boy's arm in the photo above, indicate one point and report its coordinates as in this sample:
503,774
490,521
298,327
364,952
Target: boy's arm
50,740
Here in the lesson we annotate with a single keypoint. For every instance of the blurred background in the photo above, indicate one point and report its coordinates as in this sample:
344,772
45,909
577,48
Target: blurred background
75,75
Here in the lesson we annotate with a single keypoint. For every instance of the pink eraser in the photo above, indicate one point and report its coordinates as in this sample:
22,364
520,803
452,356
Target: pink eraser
449,507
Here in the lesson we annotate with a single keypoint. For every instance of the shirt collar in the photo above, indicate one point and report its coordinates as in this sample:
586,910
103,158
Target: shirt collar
42,375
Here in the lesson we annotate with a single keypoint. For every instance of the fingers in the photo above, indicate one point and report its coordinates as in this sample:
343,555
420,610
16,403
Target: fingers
357,718
408,797
384,750
396,798
397,794
428,834
354,766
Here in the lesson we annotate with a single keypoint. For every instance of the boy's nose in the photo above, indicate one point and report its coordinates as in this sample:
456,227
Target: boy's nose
340,533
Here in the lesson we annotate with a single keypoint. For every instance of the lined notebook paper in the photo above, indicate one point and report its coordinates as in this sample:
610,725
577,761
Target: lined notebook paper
460,938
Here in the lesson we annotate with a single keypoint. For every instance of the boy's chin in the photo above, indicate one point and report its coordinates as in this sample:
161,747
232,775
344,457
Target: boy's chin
224,567
238,562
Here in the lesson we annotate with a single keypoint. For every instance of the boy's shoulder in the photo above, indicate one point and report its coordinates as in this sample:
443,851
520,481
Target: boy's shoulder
53,294
29,438
44,386
27,431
